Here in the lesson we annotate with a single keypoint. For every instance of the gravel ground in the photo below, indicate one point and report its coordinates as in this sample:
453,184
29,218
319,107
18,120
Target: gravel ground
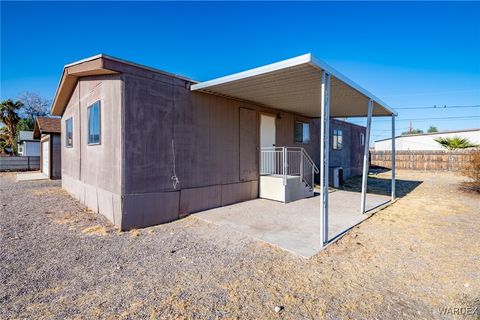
58,260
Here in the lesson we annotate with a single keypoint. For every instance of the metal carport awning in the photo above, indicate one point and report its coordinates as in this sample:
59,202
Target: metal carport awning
307,86
295,85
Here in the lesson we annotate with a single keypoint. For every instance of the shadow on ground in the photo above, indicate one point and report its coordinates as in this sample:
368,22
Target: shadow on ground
380,185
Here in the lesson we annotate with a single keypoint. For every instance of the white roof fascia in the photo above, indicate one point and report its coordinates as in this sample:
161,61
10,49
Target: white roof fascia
323,66
254,72
84,60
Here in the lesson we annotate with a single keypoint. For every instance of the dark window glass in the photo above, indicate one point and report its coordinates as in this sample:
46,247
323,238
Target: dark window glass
302,132
337,139
68,132
94,129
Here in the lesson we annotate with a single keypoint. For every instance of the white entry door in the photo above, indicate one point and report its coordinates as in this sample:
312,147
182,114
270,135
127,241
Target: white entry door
267,131
45,158
268,156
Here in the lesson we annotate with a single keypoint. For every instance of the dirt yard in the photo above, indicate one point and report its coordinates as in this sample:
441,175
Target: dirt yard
416,259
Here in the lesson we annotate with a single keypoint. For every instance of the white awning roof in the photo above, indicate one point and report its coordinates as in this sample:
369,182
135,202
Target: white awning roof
294,85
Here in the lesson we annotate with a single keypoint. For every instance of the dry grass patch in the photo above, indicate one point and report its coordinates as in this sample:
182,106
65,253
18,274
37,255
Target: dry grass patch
65,219
95,230
49,191
134,233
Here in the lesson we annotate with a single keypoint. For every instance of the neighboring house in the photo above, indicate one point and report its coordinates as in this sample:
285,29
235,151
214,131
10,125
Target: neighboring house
27,145
48,130
426,141
143,147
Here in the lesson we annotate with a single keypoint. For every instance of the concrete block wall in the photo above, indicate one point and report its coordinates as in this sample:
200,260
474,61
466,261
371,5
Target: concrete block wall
19,163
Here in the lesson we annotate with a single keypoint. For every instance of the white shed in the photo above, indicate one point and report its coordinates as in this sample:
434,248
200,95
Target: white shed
27,145
426,141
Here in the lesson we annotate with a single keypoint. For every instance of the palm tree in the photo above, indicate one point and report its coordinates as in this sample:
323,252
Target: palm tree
455,143
9,117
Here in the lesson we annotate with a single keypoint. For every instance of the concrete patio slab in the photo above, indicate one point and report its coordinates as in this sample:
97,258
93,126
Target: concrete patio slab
294,226
30,176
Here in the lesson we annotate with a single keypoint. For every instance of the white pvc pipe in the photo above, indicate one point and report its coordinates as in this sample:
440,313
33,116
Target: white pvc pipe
365,157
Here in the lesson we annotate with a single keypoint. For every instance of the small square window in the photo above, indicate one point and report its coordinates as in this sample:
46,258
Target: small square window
94,129
337,139
68,133
302,132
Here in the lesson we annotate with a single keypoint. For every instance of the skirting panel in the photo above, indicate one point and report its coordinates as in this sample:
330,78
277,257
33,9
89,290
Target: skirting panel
198,199
148,209
96,199
238,192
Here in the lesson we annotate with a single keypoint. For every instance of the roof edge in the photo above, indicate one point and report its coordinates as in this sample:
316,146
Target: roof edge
295,61
58,110
332,71
430,134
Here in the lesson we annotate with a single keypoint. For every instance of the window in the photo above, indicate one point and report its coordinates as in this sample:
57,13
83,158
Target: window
94,123
68,133
337,142
302,132
362,139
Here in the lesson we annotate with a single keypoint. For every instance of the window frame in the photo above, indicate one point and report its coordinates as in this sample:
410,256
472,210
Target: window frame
335,134
68,145
303,123
89,109
362,139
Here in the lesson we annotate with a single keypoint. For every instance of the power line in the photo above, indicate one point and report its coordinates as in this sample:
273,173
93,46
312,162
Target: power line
439,107
428,119
430,93
388,130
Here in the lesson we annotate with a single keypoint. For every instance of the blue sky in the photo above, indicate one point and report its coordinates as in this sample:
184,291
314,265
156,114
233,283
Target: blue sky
408,54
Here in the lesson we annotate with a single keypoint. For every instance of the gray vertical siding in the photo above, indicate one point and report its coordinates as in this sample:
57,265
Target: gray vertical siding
164,121
248,145
92,174
350,157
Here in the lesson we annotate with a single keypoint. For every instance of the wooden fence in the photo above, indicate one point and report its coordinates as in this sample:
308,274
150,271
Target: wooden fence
19,163
435,160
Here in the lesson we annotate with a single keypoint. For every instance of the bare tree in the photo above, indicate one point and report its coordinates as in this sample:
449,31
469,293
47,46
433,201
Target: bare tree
34,105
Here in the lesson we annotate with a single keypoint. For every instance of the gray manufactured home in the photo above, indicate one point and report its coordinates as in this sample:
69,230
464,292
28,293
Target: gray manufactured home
144,147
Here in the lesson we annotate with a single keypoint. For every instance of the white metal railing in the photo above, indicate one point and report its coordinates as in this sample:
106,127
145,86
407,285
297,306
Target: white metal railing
288,161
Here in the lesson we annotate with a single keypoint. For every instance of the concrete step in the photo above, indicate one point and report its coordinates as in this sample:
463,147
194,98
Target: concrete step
272,187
